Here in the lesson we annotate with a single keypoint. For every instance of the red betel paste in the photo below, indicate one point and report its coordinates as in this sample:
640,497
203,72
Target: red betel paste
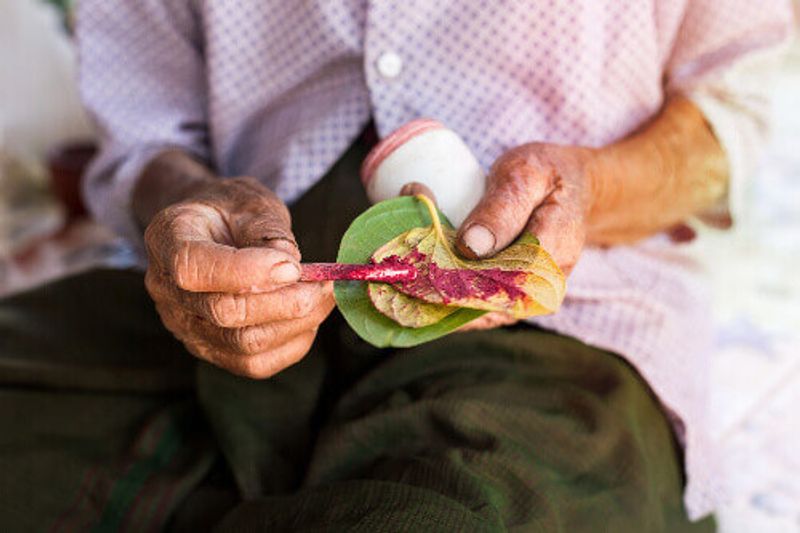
386,273
455,283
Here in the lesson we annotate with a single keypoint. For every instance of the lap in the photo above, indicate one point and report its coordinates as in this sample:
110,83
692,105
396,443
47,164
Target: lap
97,422
518,429
514,428
95,331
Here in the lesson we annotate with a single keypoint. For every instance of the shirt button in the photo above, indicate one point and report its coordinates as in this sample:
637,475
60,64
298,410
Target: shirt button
390,65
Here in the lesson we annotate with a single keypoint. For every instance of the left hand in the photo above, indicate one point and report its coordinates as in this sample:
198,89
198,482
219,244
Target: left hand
224,274
541,188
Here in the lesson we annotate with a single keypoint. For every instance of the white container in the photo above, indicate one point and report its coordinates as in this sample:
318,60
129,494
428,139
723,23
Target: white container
425,151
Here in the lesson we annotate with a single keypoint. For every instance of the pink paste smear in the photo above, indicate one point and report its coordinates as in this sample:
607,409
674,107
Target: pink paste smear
383,272
455,283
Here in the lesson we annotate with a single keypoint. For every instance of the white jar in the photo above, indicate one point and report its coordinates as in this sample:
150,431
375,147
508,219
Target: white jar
425,151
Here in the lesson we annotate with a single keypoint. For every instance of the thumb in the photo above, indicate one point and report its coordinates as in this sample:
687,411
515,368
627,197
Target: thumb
514,189
414,188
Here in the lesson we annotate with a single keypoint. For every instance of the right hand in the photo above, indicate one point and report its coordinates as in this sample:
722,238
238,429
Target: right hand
223,271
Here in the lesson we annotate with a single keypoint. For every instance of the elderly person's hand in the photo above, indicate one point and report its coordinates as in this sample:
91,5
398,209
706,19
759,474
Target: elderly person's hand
541,188
653,180
223,271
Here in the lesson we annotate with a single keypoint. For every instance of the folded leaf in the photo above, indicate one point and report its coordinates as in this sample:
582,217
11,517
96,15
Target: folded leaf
521,281
369,231
406,310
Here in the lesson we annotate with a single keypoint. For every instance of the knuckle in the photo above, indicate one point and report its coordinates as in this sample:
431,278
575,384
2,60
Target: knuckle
515,188
506,205
247,340
251,340
183,271
208,353
151,283
199,350
164,223
227,310
155,229
271,225
301,306
154,237
233,339
174,325
150,242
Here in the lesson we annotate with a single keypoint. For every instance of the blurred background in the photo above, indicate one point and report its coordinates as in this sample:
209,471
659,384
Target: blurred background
46,139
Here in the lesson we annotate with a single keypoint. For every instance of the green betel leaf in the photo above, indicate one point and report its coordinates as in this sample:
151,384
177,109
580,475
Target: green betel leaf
371,230
521,281
449,291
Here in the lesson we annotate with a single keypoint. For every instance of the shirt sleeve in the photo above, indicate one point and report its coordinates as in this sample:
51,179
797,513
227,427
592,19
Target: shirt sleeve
142,79
725,54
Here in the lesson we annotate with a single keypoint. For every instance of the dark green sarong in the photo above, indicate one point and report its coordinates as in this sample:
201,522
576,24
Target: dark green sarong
107,424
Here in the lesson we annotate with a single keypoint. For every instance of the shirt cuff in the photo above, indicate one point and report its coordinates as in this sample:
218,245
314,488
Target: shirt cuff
736,106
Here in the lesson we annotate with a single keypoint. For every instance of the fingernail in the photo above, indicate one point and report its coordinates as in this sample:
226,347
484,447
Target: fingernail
407,190
479,239
284,272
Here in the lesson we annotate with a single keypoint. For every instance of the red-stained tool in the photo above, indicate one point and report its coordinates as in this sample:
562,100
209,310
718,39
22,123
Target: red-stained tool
386,273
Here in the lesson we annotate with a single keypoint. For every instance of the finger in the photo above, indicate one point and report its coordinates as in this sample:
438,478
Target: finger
414,188
251,340
185,242
239,342
489,321
255,216
270,229
238,310
561,231
265,365
179,324
681,233
261,365
515,186
183,325
202,266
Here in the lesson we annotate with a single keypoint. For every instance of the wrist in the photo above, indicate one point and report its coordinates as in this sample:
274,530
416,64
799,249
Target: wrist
598,180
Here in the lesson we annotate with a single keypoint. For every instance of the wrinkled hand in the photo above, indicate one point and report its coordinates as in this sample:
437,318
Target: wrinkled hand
541,188
224,270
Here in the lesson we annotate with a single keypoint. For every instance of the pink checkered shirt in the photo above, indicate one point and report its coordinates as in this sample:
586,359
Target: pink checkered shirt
279,90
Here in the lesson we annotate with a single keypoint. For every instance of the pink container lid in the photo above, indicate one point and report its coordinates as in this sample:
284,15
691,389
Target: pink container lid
392,142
